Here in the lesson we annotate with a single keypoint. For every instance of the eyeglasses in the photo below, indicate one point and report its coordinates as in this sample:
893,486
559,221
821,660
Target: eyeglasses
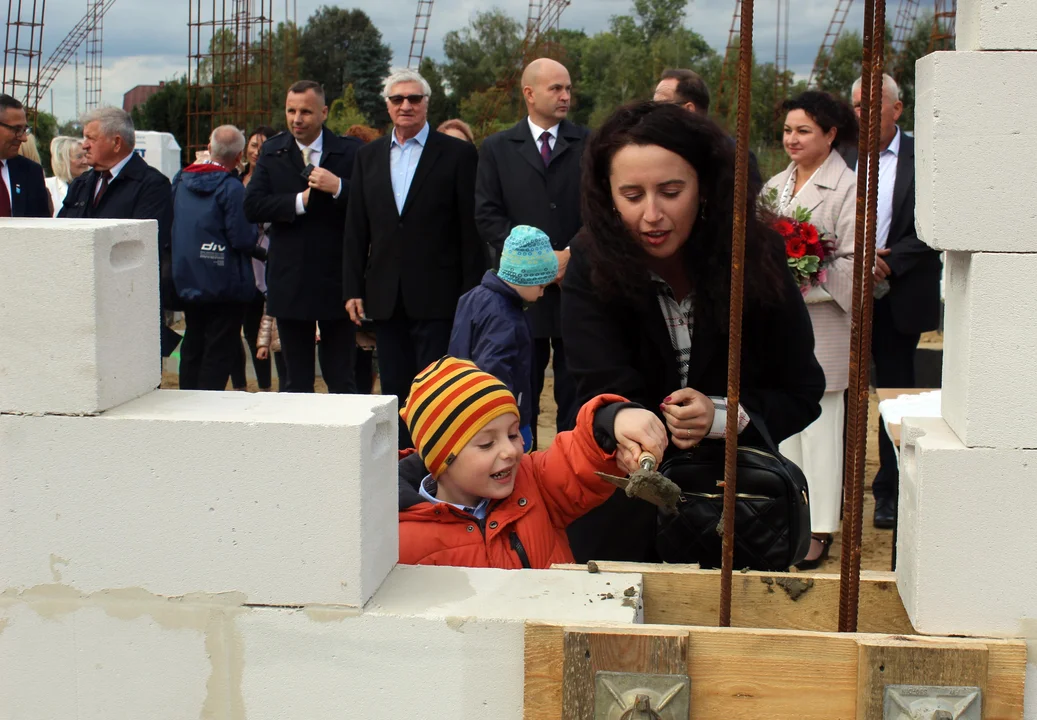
397,100
17,129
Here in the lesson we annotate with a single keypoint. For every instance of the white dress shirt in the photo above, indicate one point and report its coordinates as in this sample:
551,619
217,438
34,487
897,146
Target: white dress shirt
887,182
115,170
538,132
316,154
403,164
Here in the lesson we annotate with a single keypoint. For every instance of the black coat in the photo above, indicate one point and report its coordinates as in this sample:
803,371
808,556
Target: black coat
304,261
914,286
138,192
431,254
29,194
616,347
514,188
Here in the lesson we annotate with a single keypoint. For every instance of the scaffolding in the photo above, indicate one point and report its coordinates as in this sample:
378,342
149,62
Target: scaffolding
68,49
94,52
824,54
942,36
417,41
23,51
230,52
781,58
723,100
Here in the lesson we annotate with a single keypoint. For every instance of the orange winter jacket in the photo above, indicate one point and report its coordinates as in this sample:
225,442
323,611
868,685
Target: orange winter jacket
527,529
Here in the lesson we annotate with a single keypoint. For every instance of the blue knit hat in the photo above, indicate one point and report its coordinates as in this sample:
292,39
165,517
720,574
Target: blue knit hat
528,259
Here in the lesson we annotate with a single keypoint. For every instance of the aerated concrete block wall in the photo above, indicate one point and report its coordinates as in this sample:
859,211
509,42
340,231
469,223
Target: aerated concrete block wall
172,555
966,560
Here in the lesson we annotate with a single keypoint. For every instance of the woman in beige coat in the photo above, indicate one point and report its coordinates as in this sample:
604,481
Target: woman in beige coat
818,180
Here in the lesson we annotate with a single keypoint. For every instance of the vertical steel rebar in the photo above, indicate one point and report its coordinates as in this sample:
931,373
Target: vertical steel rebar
863,294
734,361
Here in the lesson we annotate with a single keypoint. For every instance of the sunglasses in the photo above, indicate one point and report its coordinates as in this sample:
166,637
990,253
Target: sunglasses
397,100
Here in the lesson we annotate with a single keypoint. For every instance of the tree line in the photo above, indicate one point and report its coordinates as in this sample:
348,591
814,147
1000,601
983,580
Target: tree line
344,51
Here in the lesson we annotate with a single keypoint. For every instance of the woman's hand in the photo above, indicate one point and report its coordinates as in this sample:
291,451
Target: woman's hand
262,353
637,431
689,416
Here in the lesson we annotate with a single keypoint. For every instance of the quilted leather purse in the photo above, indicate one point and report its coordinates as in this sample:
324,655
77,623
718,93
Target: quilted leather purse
772,515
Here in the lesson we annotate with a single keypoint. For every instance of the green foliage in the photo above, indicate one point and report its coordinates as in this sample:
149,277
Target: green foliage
659,18
344,112
441,106
46,130
481,53
166,111
343,47
844,67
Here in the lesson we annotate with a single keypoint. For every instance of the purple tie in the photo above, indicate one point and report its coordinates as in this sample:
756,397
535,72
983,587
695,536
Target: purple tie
545,148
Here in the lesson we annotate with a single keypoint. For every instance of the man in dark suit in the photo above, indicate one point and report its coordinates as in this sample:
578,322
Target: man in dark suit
301,187
121,185
530,175
907,281
411,244
687,89
22,190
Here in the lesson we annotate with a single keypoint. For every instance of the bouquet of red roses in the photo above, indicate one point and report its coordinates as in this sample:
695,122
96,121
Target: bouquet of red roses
808,250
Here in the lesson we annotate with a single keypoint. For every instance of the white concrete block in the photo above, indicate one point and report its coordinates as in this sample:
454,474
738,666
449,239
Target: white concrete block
966,534
434,643
990,342
975,177
996,25
79,314
288,499
90,665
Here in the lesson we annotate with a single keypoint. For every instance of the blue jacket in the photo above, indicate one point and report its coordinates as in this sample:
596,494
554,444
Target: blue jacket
492,330
212,239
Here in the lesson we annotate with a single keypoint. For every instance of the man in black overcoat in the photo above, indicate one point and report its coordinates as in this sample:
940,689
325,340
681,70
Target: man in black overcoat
907,279
23,192
121,185
530,175
301,187
411,244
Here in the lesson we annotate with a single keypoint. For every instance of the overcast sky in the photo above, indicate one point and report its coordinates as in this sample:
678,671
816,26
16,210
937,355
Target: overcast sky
146,40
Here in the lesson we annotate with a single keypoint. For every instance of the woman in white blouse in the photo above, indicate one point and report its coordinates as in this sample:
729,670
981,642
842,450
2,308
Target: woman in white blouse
67,163
818,180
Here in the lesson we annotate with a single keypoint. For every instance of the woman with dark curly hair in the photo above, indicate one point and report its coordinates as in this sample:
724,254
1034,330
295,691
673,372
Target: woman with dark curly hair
818,180
646,296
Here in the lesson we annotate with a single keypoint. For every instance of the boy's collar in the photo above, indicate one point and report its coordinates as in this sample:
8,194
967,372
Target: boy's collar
427,490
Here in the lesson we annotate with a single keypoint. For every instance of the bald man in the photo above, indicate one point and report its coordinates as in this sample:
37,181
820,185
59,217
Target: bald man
530,175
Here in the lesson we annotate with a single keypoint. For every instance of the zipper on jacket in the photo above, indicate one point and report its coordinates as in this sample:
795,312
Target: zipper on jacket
516,545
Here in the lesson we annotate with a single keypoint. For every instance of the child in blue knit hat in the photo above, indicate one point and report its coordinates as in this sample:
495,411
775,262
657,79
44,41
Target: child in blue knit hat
490,324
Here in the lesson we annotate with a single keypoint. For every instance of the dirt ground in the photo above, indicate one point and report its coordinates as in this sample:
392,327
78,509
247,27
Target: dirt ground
876,545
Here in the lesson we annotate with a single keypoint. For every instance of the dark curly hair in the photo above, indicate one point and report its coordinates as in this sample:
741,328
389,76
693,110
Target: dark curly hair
828,112
620,267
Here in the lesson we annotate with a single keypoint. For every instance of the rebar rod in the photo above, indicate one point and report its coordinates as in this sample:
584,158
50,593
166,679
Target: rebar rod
734,359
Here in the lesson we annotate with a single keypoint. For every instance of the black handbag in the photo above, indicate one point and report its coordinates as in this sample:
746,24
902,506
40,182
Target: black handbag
772,514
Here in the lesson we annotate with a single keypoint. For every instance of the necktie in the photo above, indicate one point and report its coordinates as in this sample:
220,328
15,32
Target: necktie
307,153
545,148
5,199
105,177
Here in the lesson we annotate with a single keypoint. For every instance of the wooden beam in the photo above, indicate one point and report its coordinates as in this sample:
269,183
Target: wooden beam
615,650
747,674
686,595
900,661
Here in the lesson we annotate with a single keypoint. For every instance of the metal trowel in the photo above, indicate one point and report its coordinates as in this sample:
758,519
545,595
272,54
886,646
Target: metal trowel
648,484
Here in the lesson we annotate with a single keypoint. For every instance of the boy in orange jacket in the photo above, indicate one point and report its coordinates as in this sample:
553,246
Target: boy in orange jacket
482,502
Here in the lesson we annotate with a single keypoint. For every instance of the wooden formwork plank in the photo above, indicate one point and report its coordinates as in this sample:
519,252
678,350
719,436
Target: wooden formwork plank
686,595
587,653
742,673
886,661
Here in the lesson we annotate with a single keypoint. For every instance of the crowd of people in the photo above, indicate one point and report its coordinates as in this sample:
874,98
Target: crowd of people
470,271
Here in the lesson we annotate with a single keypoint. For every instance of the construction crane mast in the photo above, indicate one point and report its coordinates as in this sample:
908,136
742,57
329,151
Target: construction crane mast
23,50
781,57
727,69
94,53
903,27
824,55
68,48
417,41
942,36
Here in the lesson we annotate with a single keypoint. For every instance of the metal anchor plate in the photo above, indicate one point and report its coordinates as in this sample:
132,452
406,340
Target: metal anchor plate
932,702
616,694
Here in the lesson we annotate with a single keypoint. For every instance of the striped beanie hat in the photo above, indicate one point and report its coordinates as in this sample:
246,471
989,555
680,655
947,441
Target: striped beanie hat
450,401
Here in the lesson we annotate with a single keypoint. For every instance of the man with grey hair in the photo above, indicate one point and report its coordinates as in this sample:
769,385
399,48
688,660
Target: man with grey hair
121,185
907,277
412,248
213,244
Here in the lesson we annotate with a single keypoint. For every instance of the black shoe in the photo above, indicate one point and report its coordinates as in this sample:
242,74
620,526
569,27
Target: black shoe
885,515
826,545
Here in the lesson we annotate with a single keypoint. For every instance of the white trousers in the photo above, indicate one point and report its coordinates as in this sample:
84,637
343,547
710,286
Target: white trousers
818,451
